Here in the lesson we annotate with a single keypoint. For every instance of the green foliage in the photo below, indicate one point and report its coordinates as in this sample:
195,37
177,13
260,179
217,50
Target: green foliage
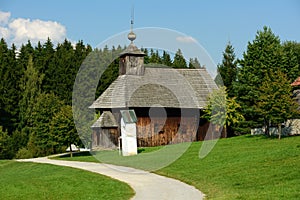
291,51
23,153
215,110
179,60
41,142
275,103
155,57
30,86
263,55
194,64
227,70
222,110
63,129
166,59
6,145
10,75
109,75
20,138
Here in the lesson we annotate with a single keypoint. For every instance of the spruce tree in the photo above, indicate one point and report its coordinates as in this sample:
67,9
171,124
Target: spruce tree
291,52
262,55
30,86
10,75
228,69
166,59
179,60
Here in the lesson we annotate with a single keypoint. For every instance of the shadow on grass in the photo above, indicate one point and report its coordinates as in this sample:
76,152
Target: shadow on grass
76,154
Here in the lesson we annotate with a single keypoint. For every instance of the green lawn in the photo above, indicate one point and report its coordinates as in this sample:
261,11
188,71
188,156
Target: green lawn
244,167
43,181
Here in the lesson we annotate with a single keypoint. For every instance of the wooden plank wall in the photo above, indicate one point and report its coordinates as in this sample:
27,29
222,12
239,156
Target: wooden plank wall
106,138
162,131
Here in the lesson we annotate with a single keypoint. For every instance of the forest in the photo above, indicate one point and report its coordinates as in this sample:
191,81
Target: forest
36,85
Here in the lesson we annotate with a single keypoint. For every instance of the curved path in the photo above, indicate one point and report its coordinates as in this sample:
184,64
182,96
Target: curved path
147,186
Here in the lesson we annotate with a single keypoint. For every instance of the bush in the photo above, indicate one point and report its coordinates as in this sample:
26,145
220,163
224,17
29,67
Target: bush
6,145
24,153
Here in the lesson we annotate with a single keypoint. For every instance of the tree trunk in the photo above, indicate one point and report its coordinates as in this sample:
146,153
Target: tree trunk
267,133
71,153
225,132
279,131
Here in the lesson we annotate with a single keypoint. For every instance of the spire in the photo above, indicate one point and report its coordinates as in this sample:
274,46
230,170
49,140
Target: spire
131,36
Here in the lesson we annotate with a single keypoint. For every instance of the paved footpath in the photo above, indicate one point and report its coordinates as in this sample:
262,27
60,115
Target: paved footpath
147,186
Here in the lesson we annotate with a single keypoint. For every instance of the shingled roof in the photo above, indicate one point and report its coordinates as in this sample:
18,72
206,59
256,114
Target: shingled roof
106,120
159,87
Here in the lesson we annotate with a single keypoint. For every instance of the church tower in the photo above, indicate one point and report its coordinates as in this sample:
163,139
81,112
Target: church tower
132,58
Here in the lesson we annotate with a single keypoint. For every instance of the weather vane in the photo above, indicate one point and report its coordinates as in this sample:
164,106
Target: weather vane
132,18
131,36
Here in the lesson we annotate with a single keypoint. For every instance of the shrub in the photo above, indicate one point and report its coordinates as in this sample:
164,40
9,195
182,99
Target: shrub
24,153
6,145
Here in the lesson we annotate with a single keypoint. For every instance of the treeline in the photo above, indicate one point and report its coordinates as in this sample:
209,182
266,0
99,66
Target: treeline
36,96
36,85
261,81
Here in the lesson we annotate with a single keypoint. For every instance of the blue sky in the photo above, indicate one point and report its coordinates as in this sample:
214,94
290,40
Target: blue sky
212,23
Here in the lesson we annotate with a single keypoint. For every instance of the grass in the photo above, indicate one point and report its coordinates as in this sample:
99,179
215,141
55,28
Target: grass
43,181
149,159
244,167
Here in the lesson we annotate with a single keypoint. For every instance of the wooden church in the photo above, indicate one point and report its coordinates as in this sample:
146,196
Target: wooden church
167,102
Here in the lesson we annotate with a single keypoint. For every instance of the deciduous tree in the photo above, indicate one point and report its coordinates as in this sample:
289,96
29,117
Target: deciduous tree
275,103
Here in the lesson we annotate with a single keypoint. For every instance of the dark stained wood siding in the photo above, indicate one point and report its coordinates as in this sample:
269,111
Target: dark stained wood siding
160,131
179,125
105,138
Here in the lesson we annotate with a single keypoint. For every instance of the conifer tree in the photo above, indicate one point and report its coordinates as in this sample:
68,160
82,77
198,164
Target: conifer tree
166,59
262,55
227,70
30,86
154,57
179,61
194,64
10,75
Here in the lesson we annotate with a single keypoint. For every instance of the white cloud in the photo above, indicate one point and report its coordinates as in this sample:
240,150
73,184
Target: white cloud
20,30
4,17
186,39
36,30
4,32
